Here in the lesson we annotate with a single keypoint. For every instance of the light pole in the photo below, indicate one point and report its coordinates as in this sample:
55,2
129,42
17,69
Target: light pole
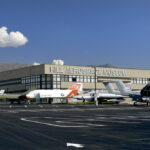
95,95
95,77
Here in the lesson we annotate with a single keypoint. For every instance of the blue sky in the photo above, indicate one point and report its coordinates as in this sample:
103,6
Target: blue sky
80,32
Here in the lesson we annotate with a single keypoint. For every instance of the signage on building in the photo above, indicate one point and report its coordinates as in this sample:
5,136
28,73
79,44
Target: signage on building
88,71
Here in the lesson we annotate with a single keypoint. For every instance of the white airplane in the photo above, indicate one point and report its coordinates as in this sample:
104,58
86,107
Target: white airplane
101,97
109,87
45,93
107,97
88,95
137,96
142,96
126,91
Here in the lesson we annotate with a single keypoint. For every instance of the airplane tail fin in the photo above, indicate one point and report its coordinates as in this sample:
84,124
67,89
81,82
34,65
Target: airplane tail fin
121,86
109,87
75,89
128,86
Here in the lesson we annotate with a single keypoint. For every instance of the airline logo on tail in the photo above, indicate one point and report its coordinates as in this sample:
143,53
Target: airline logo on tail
74,90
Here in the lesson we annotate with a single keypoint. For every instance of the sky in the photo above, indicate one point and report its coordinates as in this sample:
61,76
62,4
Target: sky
80,32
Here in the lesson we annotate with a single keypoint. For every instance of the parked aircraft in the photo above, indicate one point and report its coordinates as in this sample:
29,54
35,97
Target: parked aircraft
145,92
88,95
100,96
49,94
107,97
13,97
43,93
137,96
110,88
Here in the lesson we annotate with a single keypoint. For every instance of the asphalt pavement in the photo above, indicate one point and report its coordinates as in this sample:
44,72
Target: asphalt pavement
70,127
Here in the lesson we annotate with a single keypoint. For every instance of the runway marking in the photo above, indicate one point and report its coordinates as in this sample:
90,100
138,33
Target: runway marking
75,145
49,124
142,139
90,119
77,122
96,125
124,119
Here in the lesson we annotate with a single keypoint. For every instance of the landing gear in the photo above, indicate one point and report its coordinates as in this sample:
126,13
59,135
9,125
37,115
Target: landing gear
134,104
96,99
19,101
147,103
11,101
83,101
29,102
50,100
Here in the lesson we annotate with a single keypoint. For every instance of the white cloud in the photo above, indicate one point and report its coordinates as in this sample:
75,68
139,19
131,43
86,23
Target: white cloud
12,39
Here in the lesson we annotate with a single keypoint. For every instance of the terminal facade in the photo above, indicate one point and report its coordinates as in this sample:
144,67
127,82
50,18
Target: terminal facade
47,76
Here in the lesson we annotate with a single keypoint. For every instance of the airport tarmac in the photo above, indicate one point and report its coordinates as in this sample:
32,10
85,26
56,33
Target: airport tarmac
70,127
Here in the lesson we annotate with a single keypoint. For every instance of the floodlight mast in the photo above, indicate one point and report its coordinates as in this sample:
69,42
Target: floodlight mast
95,77
96,100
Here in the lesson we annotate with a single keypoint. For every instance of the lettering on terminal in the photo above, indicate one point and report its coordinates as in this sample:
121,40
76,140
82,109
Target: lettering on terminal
88,71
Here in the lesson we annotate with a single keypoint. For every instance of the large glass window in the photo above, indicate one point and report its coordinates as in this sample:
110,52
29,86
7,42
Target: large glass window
139,80
54,86
74,79
88,79
85,79
92,79
58,86
77,78
38,82
81,78
70,78
58,78
48,78
43,78
64,78
37,78
49,86
23,81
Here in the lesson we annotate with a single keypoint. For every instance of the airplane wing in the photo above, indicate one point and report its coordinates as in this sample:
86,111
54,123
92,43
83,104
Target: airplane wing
9,96
14,96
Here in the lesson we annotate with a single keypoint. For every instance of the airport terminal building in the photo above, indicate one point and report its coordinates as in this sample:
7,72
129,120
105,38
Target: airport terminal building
47,76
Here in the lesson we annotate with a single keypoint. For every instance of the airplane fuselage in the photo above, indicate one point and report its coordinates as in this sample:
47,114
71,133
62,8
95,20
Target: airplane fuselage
50,94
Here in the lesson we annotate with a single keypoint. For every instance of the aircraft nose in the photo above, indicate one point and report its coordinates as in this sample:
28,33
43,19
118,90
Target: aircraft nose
24,97
27,97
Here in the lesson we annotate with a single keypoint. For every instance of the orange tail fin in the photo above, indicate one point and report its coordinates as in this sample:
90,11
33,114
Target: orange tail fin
77,86
74,90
